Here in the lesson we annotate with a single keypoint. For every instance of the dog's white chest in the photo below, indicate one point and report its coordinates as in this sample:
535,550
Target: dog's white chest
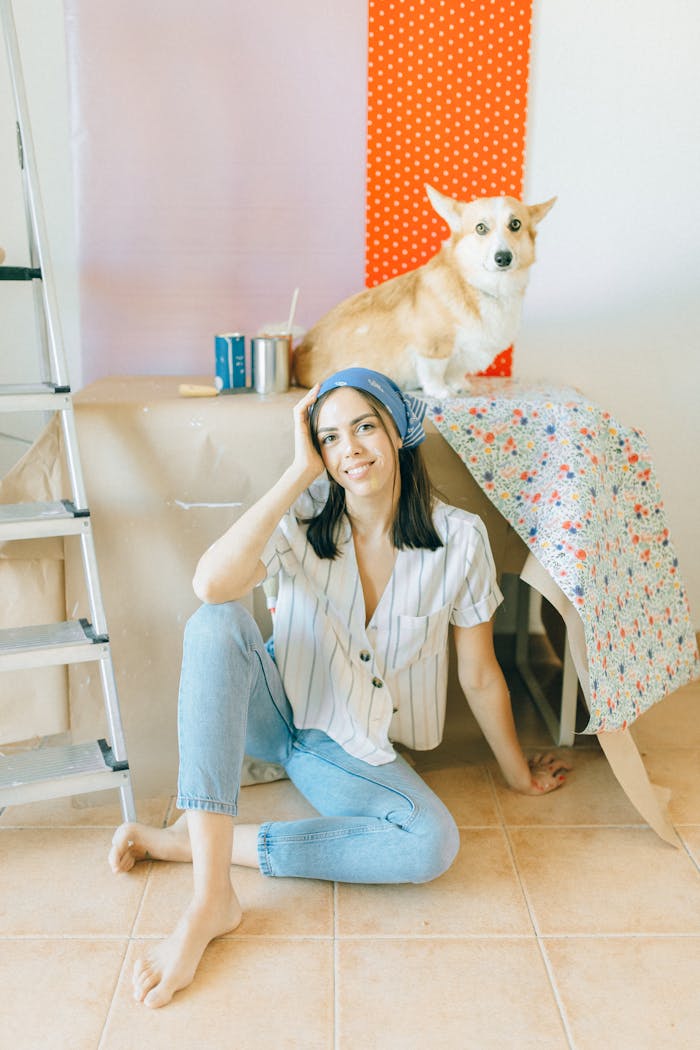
480,338
500,318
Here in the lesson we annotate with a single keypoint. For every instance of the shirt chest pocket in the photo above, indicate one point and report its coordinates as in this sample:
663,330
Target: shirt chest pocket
418,638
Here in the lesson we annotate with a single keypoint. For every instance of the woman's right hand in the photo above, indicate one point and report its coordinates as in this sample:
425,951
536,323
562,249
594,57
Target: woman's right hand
307,462
547,773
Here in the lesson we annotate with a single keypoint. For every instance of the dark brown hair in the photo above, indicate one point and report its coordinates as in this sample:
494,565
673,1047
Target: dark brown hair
413,525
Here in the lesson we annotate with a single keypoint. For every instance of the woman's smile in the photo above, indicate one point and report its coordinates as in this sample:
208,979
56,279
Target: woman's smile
358,470
372,471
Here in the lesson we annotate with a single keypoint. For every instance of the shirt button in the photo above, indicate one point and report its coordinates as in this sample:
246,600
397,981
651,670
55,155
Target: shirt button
364,655
377,683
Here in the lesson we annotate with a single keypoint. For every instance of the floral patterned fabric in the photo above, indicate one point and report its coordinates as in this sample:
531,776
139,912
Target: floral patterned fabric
580,490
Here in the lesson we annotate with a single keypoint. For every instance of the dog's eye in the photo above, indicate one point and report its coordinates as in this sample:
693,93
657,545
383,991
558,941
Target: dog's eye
482,229
514,225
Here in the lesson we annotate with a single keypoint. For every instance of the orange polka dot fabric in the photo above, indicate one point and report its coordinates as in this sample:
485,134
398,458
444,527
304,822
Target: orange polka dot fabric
447,105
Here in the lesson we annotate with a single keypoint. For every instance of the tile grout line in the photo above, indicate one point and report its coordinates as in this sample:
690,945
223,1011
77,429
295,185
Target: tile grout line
535,925
511,852
466,827
129,941
555,992
642,826
605,935
76,825
686,847
169,810
139,909
63,937
336,983
110,1005
494,796
419,937
57,827
643,935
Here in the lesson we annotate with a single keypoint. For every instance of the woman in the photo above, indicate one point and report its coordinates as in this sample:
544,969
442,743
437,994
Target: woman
371,573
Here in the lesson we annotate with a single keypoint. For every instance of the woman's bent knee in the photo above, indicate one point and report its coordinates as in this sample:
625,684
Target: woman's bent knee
229,619
437,845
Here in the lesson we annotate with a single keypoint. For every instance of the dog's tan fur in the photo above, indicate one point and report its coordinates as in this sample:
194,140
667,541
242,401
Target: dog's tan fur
449,318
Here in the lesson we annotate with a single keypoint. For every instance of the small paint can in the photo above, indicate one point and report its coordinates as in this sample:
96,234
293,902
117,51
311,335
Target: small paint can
271,363
234,364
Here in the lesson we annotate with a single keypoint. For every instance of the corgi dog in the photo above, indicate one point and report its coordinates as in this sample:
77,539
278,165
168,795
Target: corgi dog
445,320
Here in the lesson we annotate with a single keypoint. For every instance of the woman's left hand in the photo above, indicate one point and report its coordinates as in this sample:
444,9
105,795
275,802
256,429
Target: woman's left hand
547,773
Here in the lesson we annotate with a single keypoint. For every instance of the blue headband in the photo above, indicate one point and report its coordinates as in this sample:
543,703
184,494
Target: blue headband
406,411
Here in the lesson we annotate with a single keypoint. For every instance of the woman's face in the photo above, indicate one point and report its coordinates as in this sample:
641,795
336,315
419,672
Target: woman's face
359,449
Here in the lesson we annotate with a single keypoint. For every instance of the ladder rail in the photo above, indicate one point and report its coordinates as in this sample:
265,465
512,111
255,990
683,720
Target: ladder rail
87,542
71,447
92,583
38,239
35,264
116,731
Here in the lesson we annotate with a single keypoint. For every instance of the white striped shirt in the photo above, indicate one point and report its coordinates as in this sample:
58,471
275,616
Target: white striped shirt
365,687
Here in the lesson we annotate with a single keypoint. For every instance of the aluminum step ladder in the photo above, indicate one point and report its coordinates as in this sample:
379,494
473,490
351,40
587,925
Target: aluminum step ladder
54,771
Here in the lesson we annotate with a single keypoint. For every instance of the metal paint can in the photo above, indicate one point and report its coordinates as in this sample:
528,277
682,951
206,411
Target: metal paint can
271,363
234,362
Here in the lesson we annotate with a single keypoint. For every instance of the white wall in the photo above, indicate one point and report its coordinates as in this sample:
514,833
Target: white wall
612,306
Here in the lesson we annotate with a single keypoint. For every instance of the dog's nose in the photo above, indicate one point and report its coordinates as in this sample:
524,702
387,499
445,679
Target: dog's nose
503,259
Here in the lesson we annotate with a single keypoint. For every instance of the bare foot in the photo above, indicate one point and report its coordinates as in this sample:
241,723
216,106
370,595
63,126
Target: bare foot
134,842
172,964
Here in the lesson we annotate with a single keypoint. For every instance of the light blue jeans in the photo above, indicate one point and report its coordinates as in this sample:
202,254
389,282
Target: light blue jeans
378,823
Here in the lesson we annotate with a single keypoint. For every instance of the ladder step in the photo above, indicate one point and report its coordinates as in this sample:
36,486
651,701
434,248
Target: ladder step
34,397
20,273
28,521
54,772
47,645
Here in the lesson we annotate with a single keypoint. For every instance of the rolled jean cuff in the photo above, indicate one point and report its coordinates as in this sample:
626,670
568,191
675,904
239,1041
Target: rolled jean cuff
263,854
209,805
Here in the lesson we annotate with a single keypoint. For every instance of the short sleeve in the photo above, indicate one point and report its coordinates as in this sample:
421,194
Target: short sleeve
480,595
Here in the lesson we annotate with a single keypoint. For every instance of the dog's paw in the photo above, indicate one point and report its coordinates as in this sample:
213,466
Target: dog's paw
445,390
461,388
438,390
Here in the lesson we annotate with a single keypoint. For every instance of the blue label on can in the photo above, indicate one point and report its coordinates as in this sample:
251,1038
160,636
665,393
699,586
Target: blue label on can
234,367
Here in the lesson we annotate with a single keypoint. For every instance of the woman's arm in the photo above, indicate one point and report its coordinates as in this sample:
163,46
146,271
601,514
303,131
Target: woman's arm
485,688
231,567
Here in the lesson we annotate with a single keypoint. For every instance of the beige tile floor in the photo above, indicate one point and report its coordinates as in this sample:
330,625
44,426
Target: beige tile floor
564,922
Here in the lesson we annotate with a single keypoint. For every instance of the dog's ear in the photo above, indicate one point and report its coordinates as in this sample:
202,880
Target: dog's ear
538,211
447,208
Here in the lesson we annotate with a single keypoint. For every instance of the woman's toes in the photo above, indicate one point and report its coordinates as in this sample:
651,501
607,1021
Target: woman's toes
143,980
121,856
158,996
120,859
